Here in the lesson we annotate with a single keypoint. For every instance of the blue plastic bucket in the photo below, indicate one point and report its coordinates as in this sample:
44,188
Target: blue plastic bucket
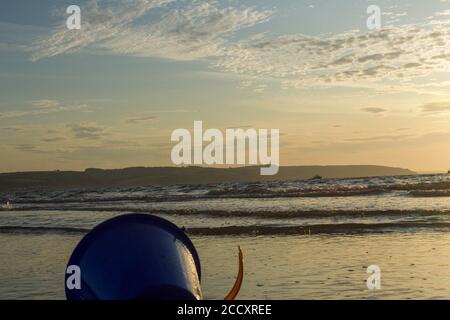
136,256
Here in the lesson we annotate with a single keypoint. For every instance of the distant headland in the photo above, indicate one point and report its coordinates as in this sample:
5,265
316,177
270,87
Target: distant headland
142,176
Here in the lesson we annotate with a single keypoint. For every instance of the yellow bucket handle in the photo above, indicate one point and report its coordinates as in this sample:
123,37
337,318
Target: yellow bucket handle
238,283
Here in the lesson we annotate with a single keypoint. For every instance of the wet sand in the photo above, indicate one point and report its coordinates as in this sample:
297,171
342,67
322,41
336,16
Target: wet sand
413,265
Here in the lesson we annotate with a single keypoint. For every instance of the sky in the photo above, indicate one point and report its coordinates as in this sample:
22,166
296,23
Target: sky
110,94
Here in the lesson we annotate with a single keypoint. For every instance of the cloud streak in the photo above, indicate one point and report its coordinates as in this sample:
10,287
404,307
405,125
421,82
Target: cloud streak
374,110
396,54
194,30
134,120
87,131
435,107
44,107
45,103
99,23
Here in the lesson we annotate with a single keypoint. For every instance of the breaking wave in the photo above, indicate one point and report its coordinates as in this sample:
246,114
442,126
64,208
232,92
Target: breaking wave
272,214
406,186
41,230
320,229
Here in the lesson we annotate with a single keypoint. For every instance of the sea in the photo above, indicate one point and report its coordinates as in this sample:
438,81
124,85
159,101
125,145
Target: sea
301,239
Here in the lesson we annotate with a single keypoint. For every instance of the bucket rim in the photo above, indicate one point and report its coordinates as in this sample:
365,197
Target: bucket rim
143,218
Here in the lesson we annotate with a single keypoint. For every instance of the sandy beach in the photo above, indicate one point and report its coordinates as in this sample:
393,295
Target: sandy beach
414,266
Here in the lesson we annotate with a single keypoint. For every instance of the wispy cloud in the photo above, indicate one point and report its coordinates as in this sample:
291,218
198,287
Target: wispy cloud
196,31
378,138
192,30
175,111
28,147
54,139
140,119
87,131
396,53
99,23
443,13
45,103
44,107
374,110
435,107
